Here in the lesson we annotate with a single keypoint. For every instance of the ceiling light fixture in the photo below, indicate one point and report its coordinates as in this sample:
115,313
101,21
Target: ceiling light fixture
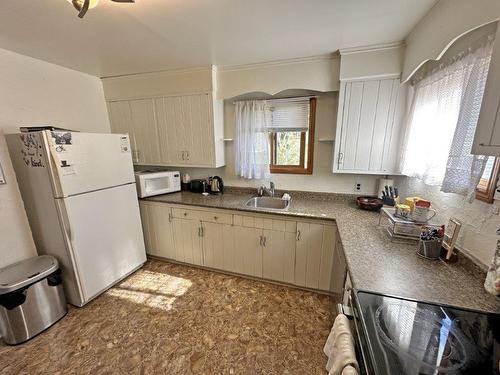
83,5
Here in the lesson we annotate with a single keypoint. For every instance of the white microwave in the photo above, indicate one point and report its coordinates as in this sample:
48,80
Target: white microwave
151,183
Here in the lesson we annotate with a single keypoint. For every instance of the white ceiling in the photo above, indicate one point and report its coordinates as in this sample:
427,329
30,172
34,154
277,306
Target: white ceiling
152,35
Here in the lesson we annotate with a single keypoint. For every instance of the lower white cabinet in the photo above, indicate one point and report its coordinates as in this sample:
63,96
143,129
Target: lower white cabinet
218,243
158,229
188,241
303,253
278,256
314,255
248,251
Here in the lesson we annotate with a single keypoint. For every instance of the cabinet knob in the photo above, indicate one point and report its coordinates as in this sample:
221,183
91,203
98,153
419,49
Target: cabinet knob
215,217
185,213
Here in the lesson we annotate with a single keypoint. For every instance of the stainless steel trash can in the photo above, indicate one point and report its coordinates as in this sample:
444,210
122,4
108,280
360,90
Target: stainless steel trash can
31,298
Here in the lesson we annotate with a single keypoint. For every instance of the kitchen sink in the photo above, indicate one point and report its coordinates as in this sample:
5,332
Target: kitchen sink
268,202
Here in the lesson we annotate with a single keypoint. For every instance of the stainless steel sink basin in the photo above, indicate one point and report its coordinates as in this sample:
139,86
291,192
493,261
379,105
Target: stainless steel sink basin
268,202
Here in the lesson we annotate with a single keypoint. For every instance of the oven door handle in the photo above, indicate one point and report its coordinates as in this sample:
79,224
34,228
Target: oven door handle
356,333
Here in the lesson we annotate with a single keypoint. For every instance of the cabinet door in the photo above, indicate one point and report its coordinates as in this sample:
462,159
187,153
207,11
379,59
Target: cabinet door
213,245
144,129
120,119
314,255
369,125
199,129
248,251
170,121
278,255
158,229
187,241
487,137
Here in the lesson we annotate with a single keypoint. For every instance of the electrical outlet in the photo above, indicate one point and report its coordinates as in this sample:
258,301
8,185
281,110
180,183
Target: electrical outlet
357,186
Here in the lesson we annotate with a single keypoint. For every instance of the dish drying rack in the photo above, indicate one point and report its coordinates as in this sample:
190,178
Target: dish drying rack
400,229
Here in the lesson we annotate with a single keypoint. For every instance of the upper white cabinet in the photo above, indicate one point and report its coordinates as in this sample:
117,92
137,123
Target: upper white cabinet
369,125
173,117
487,137
189,130
184,130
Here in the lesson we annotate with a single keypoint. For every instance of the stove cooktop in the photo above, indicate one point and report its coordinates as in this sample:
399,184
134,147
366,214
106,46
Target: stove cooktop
408,337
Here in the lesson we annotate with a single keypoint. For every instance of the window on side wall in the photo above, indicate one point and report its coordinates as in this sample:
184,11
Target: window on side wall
485,190
292,135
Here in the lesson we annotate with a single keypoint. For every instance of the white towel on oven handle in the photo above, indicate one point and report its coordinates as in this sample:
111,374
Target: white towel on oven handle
341,324
349,370
339,347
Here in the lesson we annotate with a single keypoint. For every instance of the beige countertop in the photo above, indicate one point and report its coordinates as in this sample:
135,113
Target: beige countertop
375,263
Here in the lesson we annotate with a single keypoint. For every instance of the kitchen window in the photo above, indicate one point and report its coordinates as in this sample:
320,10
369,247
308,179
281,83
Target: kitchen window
485,190
291,129
442,121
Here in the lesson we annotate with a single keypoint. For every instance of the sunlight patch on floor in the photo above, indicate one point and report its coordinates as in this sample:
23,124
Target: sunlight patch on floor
152,289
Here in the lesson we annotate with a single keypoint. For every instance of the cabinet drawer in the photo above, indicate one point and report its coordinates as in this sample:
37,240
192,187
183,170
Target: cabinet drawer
187,214
216,217
265,223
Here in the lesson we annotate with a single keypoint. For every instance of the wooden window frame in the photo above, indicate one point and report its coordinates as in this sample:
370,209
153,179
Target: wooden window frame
488,194
298,169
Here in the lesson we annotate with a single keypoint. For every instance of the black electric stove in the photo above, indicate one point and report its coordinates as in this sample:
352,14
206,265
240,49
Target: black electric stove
399,336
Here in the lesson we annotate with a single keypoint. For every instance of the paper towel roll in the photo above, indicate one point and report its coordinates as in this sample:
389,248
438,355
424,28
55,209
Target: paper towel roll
382,182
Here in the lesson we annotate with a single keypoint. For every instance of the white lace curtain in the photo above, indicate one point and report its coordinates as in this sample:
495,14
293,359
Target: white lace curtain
442,122
251,144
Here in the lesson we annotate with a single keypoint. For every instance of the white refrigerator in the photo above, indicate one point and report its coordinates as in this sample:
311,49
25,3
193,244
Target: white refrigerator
80,197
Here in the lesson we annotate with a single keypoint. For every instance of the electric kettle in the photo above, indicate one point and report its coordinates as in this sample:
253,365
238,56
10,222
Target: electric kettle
216,185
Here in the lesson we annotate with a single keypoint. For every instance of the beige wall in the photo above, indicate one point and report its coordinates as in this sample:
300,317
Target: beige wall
33,92
173,82
376,61
16,242
315,74
478,234
445,22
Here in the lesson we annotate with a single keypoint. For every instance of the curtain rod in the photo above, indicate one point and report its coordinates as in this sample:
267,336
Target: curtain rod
280,99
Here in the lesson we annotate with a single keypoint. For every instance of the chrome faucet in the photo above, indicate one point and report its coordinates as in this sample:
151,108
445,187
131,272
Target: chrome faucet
263,190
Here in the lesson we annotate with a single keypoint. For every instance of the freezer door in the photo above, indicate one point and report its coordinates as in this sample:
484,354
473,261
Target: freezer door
84,162
106,236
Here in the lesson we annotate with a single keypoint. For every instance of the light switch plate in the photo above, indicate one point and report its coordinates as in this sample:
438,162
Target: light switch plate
2,176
